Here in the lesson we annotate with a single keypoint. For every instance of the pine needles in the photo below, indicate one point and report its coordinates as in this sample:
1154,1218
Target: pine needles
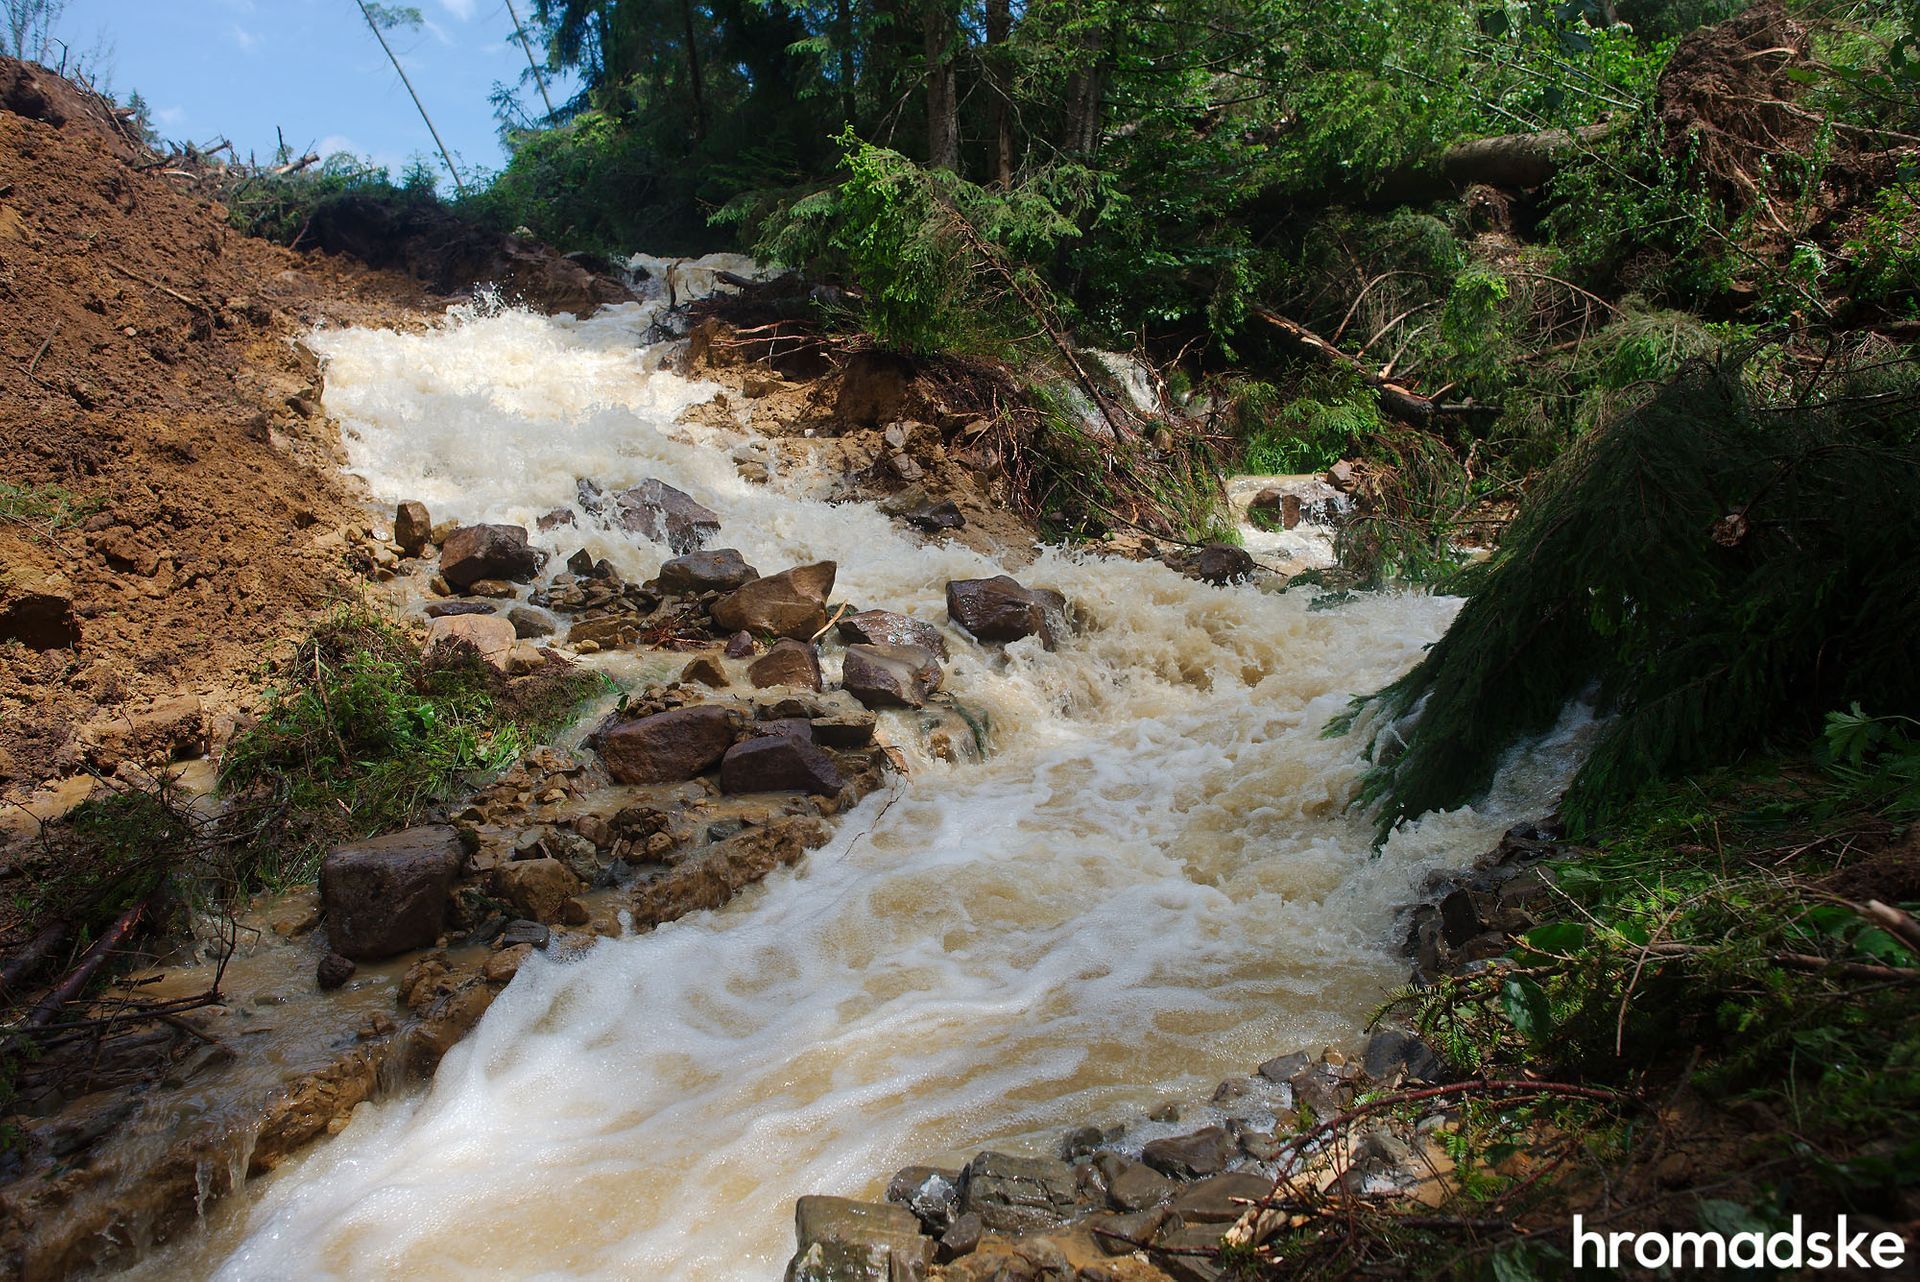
1714,572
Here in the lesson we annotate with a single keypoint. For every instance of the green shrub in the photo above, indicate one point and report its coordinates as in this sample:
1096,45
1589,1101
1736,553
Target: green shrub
362,731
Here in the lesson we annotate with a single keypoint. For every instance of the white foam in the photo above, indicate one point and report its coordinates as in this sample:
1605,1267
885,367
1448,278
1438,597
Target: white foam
1150,884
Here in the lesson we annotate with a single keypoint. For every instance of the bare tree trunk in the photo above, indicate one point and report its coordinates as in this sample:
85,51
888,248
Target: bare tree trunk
532,66
693,72
1087,95
843,38
943,107
445,155
999,29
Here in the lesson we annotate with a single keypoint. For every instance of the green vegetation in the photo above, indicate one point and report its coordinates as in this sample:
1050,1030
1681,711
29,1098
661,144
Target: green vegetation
45,509
362,731
1717,566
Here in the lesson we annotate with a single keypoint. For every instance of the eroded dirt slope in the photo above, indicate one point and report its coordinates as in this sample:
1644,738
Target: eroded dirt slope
170,483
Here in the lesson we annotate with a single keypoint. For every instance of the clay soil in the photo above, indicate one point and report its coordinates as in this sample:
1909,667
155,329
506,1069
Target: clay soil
150,370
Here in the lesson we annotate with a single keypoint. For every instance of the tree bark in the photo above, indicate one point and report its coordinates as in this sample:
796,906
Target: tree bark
999,30
843,37
445,155
693,72
943,107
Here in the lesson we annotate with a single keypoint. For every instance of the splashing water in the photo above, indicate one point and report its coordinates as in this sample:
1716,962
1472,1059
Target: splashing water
1151,883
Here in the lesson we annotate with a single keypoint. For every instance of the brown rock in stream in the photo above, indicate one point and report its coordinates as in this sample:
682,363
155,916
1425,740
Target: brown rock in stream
667,747
389,895
792,603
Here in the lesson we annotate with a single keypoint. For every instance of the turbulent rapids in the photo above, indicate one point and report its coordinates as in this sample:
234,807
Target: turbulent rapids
1151,880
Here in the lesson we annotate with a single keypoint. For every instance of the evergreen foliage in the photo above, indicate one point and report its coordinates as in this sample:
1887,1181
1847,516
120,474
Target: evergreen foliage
1713,571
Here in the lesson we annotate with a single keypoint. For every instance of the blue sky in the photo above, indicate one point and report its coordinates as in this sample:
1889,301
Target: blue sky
238,68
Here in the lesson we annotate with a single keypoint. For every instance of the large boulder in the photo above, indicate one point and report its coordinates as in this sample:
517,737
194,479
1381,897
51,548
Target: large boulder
779,763
475,552
788,663
792,603
1018,1194
1000,609
718,570
667,747
36,609
884,627
389,895
890,676
490,634
657,511
838,1240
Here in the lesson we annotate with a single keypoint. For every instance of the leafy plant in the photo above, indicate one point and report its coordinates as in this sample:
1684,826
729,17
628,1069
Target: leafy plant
362,731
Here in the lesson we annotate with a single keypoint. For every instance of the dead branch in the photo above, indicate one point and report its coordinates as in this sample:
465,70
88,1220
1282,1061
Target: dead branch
1399,400
168,290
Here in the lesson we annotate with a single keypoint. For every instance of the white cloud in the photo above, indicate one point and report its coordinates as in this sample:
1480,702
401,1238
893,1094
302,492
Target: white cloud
461,9
247,40
169,116
333,144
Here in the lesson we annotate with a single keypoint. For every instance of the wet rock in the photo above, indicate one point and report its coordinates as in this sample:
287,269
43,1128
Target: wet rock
706,671
798,727
1000,609
491,635
719,570
1460,918
333,971
389,895
932,1194
558,518
537,887
448,609
937,516
1393,1056
884,627
890,676
1316,1088
505,964
412,527
1166,1112
667,747
1211,1201
1080,1141
788,663
792,603
717,874
529,623
1282,1068
779,763
838,1240
1222,563
1134,1186
525,932
962,1237
1121,1234
1205,1152
844,730
739,645
492,589
1274,510
475,552
36,609
657,511
1018,1194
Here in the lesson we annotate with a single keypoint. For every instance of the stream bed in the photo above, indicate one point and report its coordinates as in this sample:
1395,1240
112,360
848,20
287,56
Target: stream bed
1151,882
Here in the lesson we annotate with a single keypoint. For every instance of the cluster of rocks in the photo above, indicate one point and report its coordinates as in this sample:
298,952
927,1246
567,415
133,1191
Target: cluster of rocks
691,790
1105,1209
1467,919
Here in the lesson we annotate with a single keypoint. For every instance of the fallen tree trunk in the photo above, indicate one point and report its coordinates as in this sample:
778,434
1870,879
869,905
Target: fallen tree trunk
1516,160
1397,399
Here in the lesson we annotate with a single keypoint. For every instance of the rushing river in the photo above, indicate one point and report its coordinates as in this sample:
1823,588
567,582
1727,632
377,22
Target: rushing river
1152,882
